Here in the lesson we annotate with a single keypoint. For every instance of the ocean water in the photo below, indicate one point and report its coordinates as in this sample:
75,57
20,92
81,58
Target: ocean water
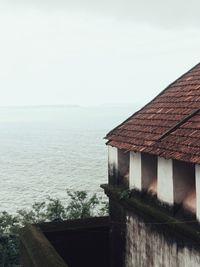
46,150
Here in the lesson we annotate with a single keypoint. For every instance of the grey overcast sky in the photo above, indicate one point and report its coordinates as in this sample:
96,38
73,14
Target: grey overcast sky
92,52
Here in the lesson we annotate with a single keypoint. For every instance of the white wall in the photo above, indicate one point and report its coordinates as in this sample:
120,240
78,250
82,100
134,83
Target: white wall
112,164
197,175
165,191
112,156
135,176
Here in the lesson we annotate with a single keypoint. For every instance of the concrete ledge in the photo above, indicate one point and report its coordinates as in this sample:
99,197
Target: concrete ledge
186,230
70,225
37,251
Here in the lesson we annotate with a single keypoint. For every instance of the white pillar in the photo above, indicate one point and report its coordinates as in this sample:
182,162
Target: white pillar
135,176
165,188
112,156
197,180
112,164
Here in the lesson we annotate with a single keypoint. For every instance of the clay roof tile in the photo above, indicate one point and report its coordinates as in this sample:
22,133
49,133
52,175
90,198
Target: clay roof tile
168,126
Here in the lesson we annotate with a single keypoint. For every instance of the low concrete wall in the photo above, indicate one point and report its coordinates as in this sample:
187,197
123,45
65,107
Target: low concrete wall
74,243
37,251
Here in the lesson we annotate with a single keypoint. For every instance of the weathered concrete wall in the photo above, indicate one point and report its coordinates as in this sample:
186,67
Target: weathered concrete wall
149,173
184,184
135,176
197,180
165,191
112,164
154,236
145,247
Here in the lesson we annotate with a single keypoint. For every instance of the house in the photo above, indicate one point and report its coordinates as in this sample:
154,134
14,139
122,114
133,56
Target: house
157,149
156,153
153,189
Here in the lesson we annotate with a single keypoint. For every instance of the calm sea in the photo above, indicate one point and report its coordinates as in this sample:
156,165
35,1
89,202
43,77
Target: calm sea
45,150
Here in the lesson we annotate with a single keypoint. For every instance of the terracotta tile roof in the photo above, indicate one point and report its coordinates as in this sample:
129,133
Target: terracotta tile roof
168,126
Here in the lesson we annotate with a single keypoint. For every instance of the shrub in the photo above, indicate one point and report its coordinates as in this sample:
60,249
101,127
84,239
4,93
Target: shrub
80,205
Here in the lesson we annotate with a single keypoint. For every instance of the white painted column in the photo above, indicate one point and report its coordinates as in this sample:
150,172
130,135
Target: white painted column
197,180
112,164
165,188
135,176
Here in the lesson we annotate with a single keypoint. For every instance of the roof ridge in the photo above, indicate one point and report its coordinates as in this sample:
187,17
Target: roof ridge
178,124
110,132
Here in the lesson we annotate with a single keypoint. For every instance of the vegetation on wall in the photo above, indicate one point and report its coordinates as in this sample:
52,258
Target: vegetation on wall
80,205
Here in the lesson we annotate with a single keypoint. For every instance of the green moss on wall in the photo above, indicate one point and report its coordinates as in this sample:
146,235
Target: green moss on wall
183,231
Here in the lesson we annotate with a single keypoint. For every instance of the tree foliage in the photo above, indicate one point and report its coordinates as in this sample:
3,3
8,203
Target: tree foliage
80,205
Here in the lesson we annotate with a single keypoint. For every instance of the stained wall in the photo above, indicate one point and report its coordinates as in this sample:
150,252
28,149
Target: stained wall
145,247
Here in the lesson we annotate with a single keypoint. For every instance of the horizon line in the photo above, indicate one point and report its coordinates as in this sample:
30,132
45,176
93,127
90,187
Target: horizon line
69,105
